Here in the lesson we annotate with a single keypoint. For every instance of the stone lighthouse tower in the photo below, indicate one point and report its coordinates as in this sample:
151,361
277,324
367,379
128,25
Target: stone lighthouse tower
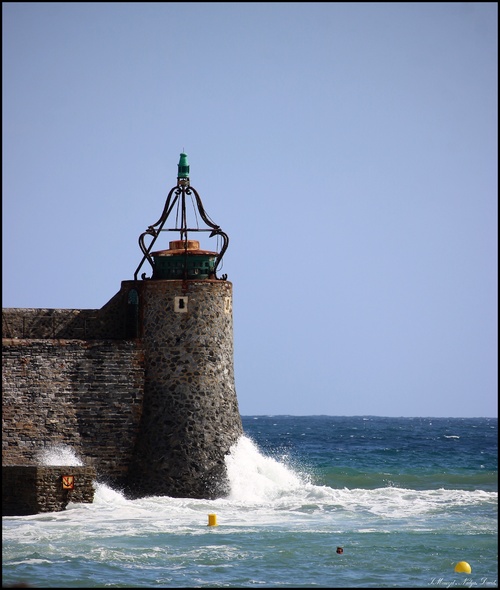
183,314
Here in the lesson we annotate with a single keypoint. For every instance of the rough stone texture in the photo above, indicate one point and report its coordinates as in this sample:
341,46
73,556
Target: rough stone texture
33,489
84,394
160,349
190,418
109,322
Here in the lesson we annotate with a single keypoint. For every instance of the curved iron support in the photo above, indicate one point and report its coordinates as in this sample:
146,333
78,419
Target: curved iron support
216,231
181,190
156,232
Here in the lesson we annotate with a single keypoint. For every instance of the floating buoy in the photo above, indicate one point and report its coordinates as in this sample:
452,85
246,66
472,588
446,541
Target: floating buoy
463,567
212,520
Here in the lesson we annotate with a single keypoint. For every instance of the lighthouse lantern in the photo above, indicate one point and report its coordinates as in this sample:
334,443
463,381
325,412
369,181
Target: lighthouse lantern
184,259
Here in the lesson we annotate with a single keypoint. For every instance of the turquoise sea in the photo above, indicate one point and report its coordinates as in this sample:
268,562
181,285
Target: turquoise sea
405,499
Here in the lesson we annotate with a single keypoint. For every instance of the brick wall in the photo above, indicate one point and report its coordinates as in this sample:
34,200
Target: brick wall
109,322
142,390
84,394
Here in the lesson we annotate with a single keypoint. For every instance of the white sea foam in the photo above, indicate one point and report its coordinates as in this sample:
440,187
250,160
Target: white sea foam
264,491
58,455
275,522
259,480
266,495
255,478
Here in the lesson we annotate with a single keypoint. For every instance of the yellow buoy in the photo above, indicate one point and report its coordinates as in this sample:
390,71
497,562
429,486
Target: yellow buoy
463,567
212,520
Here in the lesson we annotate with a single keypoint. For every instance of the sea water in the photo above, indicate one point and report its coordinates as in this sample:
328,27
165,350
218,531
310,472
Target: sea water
405,500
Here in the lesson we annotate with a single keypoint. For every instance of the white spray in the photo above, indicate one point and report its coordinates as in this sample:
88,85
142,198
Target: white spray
58,455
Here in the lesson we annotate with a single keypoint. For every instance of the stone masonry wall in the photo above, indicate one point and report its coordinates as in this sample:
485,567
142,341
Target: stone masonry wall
33,489
84,394
109,322
142,389
191,417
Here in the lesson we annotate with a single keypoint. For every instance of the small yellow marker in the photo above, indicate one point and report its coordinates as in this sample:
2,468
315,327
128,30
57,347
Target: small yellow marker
212,520
463,567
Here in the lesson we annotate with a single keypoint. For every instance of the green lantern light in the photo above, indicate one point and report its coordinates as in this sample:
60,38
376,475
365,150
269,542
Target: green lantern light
183,167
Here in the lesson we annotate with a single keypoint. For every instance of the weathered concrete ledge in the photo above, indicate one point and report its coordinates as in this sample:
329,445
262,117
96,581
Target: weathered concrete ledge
30,489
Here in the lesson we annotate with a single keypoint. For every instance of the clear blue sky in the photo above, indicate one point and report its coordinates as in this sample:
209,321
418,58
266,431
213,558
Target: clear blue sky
349,150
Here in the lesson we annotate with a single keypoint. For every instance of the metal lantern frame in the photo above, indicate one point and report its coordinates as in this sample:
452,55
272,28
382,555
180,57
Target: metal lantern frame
176,199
